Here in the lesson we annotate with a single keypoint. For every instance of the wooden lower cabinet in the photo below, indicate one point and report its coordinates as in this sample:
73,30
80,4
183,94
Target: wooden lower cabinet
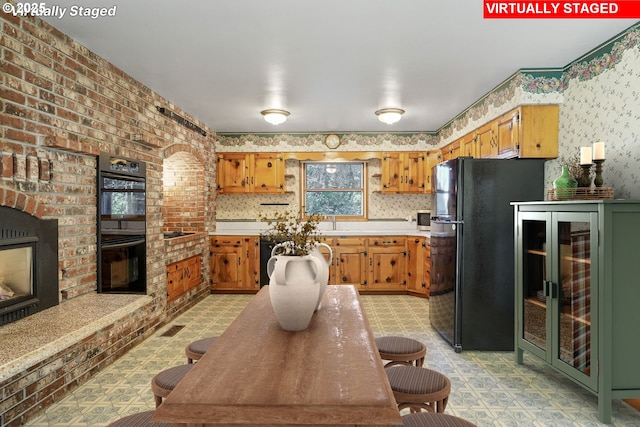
349,262
234,263
418,266
371,264
387,269
183,276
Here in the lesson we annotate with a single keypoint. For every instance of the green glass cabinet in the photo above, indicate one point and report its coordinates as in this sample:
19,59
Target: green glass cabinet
577,292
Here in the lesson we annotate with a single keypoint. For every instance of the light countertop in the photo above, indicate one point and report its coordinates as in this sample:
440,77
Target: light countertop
346,228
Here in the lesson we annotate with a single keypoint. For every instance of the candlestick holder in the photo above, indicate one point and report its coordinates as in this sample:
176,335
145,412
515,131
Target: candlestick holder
585,179
598,181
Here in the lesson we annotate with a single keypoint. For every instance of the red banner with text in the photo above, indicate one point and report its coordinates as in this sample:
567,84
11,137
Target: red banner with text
623,9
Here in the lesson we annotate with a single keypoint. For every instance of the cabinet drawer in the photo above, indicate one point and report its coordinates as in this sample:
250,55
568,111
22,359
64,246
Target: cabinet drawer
350,241
226,241
388,241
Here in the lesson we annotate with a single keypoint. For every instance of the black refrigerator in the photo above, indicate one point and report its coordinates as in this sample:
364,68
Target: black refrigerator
472,286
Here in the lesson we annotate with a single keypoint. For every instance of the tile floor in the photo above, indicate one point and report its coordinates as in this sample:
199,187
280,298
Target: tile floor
488,388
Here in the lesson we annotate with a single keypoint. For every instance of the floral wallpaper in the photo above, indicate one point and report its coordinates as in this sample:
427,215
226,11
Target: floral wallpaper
600,103
597,94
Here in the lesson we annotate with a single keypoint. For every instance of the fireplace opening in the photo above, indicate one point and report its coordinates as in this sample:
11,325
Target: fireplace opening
28,264
16,270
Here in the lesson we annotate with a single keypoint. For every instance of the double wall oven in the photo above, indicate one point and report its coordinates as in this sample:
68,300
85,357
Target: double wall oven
121,225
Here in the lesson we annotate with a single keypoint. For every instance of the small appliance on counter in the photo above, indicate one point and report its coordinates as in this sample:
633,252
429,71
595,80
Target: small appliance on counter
423,220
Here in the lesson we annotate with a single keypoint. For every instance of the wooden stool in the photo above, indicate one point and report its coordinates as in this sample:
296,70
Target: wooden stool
141,419
429,419
417,388
165,381
401,351
196,349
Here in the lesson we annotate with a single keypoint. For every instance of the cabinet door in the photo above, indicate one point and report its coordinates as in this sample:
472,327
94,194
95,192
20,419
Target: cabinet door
225,260
349,259
415,264
174,281
433,158
387,263
426,278
251,249
469,147
232,173
391,172
487,147
414,173
556,292
268,173
507,131
451,151
191,273
537,133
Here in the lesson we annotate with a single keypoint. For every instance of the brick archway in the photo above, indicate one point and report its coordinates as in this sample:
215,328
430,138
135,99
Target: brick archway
23,202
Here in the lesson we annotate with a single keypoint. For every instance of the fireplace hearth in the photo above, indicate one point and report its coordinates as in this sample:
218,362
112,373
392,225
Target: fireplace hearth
28,264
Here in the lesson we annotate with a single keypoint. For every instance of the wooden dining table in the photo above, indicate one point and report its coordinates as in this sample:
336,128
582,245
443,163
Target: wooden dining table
256,373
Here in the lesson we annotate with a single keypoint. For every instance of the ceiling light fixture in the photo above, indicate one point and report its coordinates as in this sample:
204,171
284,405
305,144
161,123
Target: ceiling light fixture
275,116
330,168
389,115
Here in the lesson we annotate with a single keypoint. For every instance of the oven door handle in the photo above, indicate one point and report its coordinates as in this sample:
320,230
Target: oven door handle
122,245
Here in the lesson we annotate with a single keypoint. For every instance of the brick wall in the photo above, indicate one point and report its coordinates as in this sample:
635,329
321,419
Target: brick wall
61,105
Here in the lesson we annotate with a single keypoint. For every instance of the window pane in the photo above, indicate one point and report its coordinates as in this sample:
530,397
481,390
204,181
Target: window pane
342,175
334,202
334,188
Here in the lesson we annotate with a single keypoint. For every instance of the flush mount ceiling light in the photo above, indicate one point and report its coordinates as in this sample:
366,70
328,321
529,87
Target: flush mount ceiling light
275,116
389,115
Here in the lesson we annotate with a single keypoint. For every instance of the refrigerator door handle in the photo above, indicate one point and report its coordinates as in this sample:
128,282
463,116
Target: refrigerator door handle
438,221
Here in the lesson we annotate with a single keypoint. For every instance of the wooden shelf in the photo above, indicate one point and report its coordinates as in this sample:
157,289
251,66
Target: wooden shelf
578,260
536,252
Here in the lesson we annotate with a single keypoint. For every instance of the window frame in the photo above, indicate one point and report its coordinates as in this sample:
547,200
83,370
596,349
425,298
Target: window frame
364,188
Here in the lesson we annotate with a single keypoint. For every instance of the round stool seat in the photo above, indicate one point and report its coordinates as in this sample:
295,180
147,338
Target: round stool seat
141,419
165,381
197,349
401,350
417,388
428,419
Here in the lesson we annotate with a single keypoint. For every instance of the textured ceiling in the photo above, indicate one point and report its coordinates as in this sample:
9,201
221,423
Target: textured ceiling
331,63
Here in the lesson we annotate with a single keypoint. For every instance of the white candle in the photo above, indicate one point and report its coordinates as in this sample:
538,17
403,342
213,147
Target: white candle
585,156
598,150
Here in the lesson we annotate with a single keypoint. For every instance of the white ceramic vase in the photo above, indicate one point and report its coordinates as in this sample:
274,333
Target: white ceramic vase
294,286
324,273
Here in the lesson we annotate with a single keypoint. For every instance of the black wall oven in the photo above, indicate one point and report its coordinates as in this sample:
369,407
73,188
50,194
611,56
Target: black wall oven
121,225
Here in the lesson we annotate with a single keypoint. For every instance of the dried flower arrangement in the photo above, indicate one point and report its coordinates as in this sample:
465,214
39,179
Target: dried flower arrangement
299,236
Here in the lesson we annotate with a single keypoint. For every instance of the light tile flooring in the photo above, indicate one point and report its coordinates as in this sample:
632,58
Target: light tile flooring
488,388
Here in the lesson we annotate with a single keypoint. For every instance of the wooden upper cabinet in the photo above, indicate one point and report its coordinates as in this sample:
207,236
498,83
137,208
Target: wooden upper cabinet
469,145
486,140
528,131
403,172
232,173
433,158
451,151
268,172
240,173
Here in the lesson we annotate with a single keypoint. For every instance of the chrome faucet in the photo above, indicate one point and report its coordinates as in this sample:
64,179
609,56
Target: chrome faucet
333,222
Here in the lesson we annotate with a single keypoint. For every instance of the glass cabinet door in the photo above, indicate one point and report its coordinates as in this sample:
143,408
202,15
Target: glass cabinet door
572,307
535,269
555,289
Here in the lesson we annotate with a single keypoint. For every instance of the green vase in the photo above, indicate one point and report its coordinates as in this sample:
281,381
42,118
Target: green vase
565,185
